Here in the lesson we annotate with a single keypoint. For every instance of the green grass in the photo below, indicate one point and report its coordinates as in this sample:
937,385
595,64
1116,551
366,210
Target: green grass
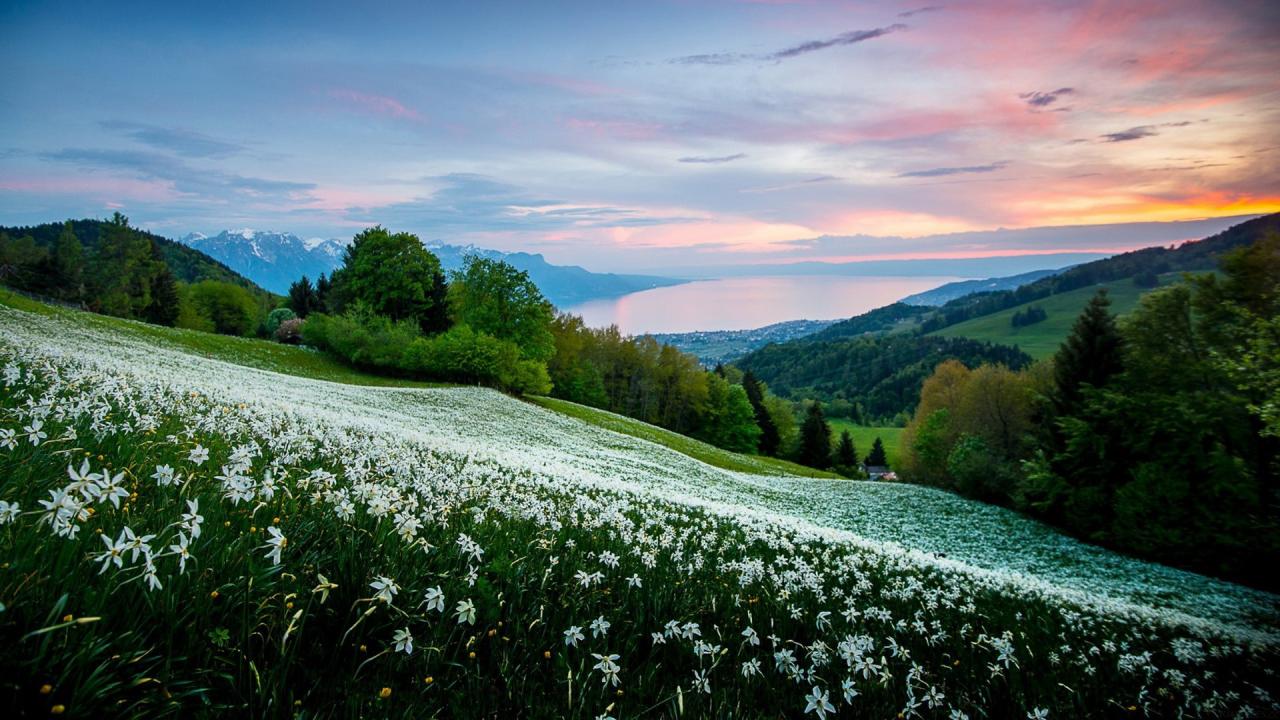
249,352
864,436
1042,339
696,449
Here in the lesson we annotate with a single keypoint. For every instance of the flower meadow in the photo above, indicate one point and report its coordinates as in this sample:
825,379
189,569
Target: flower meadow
185,536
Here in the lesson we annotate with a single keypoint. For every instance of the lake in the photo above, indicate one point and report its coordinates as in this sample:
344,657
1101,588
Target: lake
742,303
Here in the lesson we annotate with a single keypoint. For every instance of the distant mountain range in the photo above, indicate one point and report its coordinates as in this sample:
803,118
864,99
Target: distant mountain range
276,260
946,293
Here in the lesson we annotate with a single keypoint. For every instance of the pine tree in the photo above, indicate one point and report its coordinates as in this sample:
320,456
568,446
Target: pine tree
1091,355
436,319
770,438
846,454
877,457
165,304
322,294
68,264
815,439
302,297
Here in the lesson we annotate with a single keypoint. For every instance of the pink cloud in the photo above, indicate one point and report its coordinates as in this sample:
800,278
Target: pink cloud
376,104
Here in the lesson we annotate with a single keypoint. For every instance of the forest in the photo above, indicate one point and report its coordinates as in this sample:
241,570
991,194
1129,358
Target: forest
1157,435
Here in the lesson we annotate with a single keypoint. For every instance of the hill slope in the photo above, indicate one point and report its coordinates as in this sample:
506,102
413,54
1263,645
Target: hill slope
1043,338
549,539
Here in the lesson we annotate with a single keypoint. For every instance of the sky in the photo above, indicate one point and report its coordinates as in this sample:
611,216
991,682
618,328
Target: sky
650,134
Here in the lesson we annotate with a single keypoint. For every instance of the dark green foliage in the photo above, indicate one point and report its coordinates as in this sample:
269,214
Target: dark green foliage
845,459
873,321
109,267
877,457
881,374
493,297
303,298
815,439
770,439
1089,357
1029,316
1146,279
392,274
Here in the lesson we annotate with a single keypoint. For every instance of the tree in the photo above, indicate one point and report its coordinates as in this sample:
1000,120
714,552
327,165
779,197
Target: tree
303,299
322,293
495,298
393,274
230,308
770,439
846,457
121,279
68,264
877,457
165,302
1091,355
437,318
815,439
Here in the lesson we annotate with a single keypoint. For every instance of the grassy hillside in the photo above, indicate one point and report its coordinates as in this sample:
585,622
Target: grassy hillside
696,449
1043,338
864,437
247,543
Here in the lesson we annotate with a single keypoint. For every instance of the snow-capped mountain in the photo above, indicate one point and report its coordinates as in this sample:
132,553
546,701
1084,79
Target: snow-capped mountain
271,259
276,260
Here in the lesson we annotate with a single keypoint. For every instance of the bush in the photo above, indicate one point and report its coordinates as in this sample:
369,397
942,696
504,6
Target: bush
290,331
229,308
277,316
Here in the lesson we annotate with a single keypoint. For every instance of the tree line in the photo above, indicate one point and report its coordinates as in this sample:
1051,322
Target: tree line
111,268
1158,434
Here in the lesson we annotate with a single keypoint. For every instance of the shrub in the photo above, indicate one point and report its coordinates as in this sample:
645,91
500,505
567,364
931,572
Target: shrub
230,308
277,316
290,331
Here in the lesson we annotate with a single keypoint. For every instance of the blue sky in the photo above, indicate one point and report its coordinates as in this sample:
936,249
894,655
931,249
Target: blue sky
618,135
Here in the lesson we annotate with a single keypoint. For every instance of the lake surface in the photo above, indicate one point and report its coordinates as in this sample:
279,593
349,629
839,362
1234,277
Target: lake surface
749,302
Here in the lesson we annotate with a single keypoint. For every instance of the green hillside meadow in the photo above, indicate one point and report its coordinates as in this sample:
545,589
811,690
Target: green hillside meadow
1043,338
204,528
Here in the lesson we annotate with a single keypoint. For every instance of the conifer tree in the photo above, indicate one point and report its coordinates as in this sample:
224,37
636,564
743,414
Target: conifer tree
1091,355
770,438
846,454
815,439
877,456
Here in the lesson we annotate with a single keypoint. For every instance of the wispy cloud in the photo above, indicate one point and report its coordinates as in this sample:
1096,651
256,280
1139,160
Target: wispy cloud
1139,132
852,37
921,11
184,178
944,171
375,104
1036,99
187,143
712,159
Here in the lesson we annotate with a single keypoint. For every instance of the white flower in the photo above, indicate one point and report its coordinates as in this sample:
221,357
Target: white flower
323,588
608,666
404,641
277,542
1038,714
700,682
600,626
114,554
199,454
849,691
819,703
111,490
573,635
8,512
466,612
163,475
8,439
34,432
180,549
192,518
751,637
751,667
386,589
435,599
633,581
958,715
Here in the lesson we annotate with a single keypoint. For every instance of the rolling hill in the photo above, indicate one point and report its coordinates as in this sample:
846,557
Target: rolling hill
409,547
1043,338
